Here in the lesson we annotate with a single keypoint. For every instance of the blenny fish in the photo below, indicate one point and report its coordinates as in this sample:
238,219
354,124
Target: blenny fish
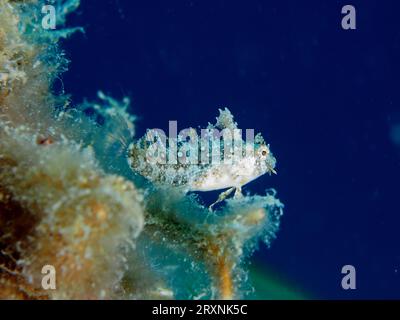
203,164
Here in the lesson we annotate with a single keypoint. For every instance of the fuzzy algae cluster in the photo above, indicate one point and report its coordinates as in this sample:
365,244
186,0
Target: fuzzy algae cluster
69,200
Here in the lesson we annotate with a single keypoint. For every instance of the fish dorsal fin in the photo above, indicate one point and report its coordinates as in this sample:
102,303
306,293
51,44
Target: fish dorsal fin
225,120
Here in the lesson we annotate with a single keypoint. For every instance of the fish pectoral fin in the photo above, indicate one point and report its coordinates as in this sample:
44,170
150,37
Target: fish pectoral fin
222,197
238,193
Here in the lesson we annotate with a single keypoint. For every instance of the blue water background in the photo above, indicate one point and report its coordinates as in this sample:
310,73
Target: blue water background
324,98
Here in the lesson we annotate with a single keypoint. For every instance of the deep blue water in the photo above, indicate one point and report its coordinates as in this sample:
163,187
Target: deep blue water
326,100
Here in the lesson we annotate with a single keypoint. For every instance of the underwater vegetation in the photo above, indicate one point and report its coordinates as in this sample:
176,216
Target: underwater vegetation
69,198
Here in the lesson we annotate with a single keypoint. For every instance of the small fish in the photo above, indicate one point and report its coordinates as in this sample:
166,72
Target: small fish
229,168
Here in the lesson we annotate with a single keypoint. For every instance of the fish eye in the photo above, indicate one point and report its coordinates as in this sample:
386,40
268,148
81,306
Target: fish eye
264,153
